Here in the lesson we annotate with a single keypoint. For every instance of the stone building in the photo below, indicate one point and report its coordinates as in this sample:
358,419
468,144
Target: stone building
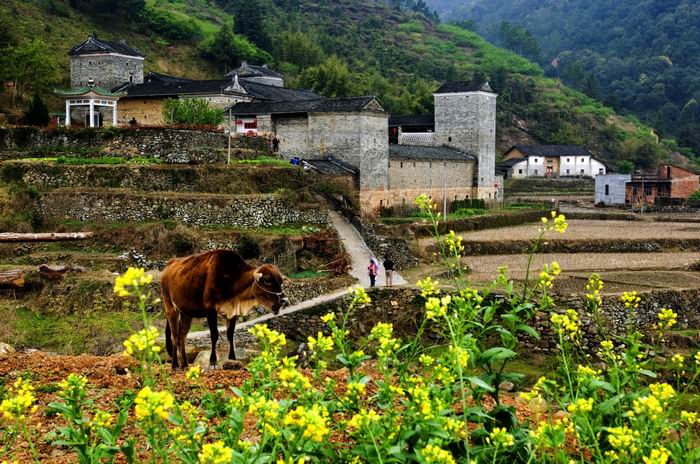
352,130
394,165
551,161
104,64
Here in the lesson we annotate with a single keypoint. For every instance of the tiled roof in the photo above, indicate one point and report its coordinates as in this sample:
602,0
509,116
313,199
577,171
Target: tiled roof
250,70
331,166
85,90
551,150
157,85
271,92
319,105
419,120
94,45
419,153
464,86
510,163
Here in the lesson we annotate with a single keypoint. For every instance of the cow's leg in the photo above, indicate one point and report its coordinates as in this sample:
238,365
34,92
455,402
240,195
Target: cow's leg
174,322
214,332
230,331
185,324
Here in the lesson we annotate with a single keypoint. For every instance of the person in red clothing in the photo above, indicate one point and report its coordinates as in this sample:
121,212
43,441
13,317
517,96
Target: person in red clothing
372,270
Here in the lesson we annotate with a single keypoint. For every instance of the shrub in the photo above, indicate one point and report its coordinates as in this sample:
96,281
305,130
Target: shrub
191,111
38,113
169,24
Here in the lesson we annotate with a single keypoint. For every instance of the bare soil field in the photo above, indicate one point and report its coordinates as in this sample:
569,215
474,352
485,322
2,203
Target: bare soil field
588,230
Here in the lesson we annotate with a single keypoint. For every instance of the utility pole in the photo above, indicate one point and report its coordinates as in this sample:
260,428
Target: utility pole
444,191
228,157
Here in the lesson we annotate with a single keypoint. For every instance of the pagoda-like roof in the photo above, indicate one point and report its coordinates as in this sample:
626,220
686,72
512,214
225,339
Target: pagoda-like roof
80,91
94,45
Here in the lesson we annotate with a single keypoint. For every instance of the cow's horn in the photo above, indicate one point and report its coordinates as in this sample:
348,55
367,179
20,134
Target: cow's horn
257,275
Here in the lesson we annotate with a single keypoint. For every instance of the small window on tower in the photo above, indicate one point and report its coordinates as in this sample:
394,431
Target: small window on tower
449,139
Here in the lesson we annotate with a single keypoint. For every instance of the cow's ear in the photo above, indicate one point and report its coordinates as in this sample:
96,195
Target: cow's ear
257,276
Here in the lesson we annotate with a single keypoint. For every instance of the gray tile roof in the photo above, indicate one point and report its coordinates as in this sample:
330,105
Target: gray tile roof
421,153
271,92
251,70
94,45
464,86
551,150
319,105
331,166
418,120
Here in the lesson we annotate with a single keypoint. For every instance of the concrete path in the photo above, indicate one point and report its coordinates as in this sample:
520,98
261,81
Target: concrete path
359,259
359,253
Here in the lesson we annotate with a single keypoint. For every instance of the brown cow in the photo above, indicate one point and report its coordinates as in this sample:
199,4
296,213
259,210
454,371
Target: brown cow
217,282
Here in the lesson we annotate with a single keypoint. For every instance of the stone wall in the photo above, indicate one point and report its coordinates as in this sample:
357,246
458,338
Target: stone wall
404,308
246,211
383,240
106,70
480,222
467,121
155,177
146,111
168,145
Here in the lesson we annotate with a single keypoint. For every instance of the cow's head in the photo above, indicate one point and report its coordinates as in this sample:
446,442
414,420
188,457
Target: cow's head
267,287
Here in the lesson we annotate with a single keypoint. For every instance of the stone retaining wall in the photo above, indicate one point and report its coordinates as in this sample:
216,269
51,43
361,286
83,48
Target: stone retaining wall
246,211
383,240
404,308
517,247
480,222
155,177
169,145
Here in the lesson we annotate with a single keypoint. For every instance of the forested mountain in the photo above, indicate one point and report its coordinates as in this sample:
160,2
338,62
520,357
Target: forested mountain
394,49
636,56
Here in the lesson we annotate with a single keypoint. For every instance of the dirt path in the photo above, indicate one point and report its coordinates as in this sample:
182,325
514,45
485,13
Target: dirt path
359,258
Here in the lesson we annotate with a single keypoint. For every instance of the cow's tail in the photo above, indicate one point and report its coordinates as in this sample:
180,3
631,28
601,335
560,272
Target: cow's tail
168,339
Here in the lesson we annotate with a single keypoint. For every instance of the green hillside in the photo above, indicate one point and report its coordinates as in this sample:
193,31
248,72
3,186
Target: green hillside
639,57
337,48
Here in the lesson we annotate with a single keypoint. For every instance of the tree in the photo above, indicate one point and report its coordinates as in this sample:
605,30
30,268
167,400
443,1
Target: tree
249,21
625,167
230,49
29,65
106,7
191,111
331,78
520,40
38,113
299,49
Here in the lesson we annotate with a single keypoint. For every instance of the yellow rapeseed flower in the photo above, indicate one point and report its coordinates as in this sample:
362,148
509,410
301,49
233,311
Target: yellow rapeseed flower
153,404
142,343
360,296
581,405
500,438
678,360
102,419
363,419
623,439
215,453
428,287
631,300
662,391
657,456
649,406
193,373
435,455
312,422
667,319
690,417
321,342
131,280
19,404
567,324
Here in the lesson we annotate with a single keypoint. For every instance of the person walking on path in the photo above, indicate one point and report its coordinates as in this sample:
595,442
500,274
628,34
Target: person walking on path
389,270
372,270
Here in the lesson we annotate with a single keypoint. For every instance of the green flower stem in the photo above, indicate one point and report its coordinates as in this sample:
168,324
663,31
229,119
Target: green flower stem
533,250
30,442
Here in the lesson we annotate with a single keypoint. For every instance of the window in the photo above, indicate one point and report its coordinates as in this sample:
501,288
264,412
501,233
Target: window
520,171
582,160
568,171
381,203
449,139
250,125
536,172
535,160
389,165
550,162
568,160
582,171
414,164
647,190
607,189
600,170
401,164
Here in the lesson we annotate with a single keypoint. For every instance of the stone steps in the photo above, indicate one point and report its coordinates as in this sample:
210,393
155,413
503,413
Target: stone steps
196,209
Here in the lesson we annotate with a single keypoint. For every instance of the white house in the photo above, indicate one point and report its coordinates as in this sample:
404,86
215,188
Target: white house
551,161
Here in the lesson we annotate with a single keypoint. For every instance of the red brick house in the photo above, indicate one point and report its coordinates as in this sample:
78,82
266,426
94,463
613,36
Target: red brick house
670,185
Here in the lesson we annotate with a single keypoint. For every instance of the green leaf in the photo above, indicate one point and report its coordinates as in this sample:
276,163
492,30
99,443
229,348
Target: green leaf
648,373
480,383
488,313
528,330
598,384
607,407
497,353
